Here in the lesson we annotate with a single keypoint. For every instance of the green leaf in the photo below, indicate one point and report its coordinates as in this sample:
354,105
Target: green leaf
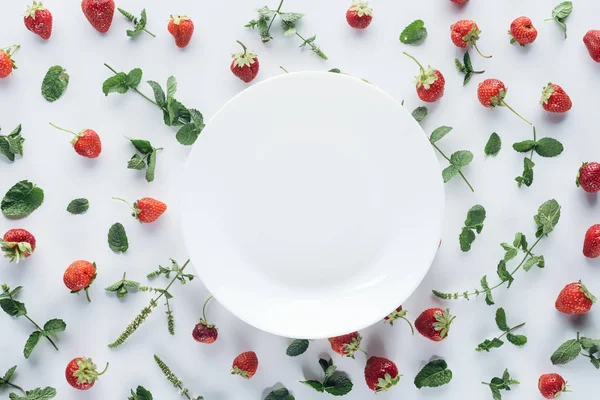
159,94
151,166
414,32
22,199
115,84
503,274
290,17
117,238
532,261
548,147
466,239
325,364
567,352
489,300
461,158
54,326
475,216
337,385
527,177
439,133
419,113
501,320
547,217
595,362
171,87
136,162
197,118
493,145
563,10
140,394
134,77
174,109
587,343
55,83
12,144
188,134
434,374
496,395
524,146
318,386
467,62
450,172
8,375
78,206
140,24
487,345
33,340
335,70
459,66
517,340
280,394
36,394
467,79
297,347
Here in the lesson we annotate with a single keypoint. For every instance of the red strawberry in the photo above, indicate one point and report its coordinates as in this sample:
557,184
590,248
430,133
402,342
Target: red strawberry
17,244
359,15
588,177
245,65
491,93
79,276
522,31
7,64
346,345
182,29
203,331
591,243
399,313
592,42
381,374
86,143
245,365
99,13
81,373
552,385
146,209
434,323
466,33
430,83
575,299
555,99
459,1
39,20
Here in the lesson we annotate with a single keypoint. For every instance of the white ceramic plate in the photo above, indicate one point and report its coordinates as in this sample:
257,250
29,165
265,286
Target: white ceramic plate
313,205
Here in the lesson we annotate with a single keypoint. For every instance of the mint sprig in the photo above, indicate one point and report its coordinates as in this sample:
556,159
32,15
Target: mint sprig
545,147
144,158
140,23
333,383
55,83
414,32
504,383
35,394
457,160
5,380
571,349
473,223
12,144
22,199
121,287
466,67
560,13
141,393
517,340
434,374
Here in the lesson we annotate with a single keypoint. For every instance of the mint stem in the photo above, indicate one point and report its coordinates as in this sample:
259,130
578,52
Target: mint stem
149,33
459,172
527,254
136,89
511,329
39,328
534,139
13,385
273,19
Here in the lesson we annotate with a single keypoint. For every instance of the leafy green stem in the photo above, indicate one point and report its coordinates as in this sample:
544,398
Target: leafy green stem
39,328
511,330
459,172
312,46
136,89
13,385
273,19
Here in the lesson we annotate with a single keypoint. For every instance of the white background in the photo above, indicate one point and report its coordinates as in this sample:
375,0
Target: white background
205,82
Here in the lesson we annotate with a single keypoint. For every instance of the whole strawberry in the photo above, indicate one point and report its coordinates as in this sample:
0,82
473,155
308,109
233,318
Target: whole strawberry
434,323
588,177
245,65
99,13
575,299
182,29
399,313
555,99
17,244
466,33
346,345
79,276
430,83
591,243
459,1
592,42
522,31
7,63
146,209
381,374
81,373
491,93
359,15
245,365
552,385
86,143
38,20
203,331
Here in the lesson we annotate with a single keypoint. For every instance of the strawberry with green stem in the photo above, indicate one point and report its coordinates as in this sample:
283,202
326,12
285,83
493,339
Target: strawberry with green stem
7,63
17,244
245,65
466,33
397,314
79,276
146,210
346,345
430,82
81,373
86,142
203,331
491,94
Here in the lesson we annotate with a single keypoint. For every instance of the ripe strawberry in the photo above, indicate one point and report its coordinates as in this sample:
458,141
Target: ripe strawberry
434,323
79,276
182,29
86,143
203,331
591,243
552,385
359,15
99,13
346,345
381,374
459,1
588,177
399,313
466,33
430,83
575,299
555,99
491,93
245,365
17,244
38,20
146,209
245,65
7,64
592,42
81,373
522,31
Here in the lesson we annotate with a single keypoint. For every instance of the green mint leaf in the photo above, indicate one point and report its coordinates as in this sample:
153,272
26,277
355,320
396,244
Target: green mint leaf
22,199
318,386
78,206
55,83
587,343
459,66
466,239
487,345
297,347
197,118
32,341
475,216
524,146
136,162
46,393
159,94
547,217
563,10
325,364
117,238
419,113
8,375
503,274
548,147
450,172
461,158
527,177
467,62
567,352
414,32
532,261
434,374
517,340
520,241
493,145
266,12
595,362
335,70
496,395
501,320
174,109
54,326
140,394
489,300
188,134
280,394
134,77
171,87
140,24
115,84
151,166
439,133
467,79
128,15
290,17
337,385
12,144
511,252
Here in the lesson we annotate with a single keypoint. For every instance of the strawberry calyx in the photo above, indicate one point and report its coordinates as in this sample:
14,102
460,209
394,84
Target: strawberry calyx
15,251
243,59
178,19
579,173
472,37
33,8
133,207
238,371
586,292
362,8
353,346
547,93
443,322
387,382
427,77
203,320
86,371
399,314
498,100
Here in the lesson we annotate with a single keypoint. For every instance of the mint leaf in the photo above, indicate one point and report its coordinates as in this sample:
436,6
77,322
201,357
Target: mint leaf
171,87
22,199
12,144
450,172
116,84
486,289
117,238
419,113
318,386
466,239
280,394
414,32
143,146
461,158
475,216
527,177
139,24
36,394
159,94
12,307
151,166
297,347
548,147
188,134
493,145
561,12
539,260
337,385
503,274
501,320
547,217
439,133
8,375
567,352
517,340
587,343
78,206
434,374
136,162
498,384
55,83
487,345
120,287
54,326
134,77
140,394
524,146
33,340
